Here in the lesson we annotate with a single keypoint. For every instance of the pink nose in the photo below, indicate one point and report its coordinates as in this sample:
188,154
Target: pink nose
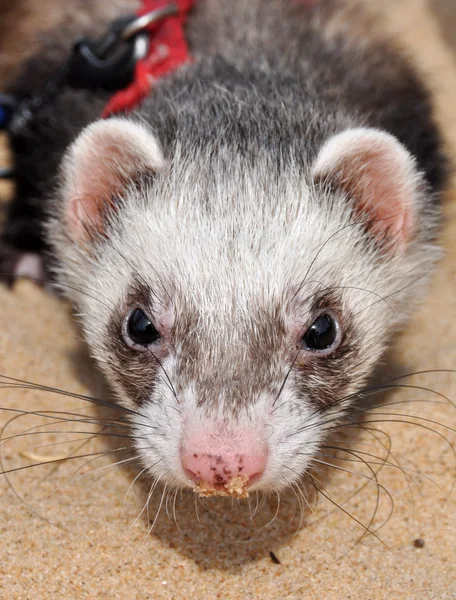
215,463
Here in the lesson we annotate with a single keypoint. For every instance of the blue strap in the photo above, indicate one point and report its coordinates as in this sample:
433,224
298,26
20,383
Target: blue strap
4,117
7,104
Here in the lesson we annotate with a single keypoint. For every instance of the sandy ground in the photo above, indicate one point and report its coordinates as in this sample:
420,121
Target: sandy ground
69,533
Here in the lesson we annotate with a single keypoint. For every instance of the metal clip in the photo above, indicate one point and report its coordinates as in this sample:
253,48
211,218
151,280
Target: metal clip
141,23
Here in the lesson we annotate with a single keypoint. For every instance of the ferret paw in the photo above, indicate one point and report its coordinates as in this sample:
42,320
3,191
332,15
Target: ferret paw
15,264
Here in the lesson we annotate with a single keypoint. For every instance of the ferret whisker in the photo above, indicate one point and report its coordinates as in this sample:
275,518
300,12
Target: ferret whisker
363,409
277,494
298,493
34,430
80,288
17,416
137,477
174,510
390,385
379,296
289,371
354,425
321,248
59,421
374,407
376,433
408,422
90,435
406,416
362,427
157,514
261,503
406,386
145,508
56,463
335,422
379,462
317,411
355,442
333,235
345,287
377,503
197,499
21,384
54,390
255,510
398,291
346,512
205,503
249,504
373,480
107,472
148,513
313,509
384,463
379,435
109,422
166,505
169,383
422,372
359,489
105,467
55,467
357,459
60,460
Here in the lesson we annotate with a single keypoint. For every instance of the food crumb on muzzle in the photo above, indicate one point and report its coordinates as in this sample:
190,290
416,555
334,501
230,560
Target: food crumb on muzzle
235,488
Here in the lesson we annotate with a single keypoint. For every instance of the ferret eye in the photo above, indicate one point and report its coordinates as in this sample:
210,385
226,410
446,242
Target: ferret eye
138,330
323,335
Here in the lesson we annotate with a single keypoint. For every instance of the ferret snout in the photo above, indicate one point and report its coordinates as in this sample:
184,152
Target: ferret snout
217,460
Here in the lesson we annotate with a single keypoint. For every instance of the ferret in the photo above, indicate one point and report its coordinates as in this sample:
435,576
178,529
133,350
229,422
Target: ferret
242,247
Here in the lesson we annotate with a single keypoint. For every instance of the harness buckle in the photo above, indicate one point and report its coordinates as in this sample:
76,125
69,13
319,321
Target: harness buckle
109,62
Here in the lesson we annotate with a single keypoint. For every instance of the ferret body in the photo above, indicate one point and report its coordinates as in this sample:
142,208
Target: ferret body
241,248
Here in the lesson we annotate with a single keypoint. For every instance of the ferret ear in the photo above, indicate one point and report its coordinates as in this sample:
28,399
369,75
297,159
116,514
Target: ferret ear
106,158
380,177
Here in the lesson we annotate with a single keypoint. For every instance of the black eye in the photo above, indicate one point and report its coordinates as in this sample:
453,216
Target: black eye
139,329
322,335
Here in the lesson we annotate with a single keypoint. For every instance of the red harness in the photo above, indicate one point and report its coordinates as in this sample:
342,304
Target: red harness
168,49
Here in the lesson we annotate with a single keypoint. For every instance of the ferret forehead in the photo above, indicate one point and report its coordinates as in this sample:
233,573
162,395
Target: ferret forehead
250,255
250,206
243,233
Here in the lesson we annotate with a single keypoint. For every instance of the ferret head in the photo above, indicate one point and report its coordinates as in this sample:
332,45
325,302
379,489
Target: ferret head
236,305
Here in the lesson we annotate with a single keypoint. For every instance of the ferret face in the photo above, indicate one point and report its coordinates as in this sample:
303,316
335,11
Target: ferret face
236,308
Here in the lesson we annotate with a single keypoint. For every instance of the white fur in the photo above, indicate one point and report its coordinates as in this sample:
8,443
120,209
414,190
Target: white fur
230,247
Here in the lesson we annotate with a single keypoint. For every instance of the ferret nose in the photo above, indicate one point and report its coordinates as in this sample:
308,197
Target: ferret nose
215,464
